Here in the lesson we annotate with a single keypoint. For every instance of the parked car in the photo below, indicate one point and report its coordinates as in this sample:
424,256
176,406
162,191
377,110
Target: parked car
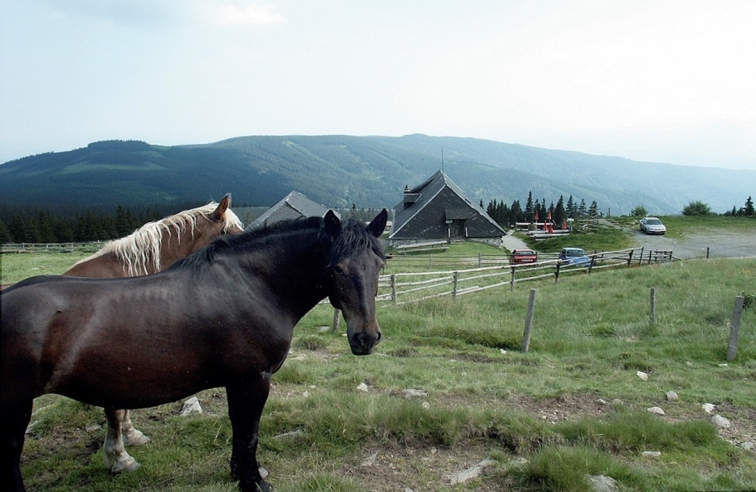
574,256
652,225
524,256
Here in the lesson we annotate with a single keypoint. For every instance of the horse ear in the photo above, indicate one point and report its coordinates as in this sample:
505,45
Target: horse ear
378,225
332,224
222,207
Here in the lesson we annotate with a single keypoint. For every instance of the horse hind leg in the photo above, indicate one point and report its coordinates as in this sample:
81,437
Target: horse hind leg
131,435
114,451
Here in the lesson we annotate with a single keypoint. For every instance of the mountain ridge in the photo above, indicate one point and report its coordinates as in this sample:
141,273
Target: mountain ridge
365,171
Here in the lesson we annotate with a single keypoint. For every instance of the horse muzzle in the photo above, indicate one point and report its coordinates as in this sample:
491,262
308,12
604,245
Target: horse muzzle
363,342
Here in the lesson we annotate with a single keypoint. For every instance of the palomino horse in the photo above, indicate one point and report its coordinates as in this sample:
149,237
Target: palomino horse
153,247
224,316
157,245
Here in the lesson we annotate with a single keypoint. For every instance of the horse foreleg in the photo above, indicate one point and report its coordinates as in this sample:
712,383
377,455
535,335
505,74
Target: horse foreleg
12,431
131,435
245,406
114,451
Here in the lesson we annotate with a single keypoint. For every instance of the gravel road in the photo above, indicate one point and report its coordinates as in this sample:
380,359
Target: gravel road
721,245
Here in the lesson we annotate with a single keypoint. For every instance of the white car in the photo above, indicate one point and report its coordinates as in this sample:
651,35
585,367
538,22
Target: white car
652,225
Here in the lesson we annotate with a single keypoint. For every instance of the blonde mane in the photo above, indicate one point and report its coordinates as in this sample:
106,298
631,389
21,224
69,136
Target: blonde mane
141,249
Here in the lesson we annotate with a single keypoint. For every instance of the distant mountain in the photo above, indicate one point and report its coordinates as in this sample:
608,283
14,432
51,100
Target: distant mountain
340,171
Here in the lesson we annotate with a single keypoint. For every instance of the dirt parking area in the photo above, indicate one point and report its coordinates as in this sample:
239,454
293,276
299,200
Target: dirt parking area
718,245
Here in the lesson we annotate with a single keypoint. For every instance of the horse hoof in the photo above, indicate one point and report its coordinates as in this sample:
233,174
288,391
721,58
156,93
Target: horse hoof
135,438
261,486
128,464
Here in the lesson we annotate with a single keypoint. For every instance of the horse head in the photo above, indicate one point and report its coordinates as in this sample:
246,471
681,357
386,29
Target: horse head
357,260
218,221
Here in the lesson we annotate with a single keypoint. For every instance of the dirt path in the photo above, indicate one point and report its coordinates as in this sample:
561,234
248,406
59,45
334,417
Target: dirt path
511,242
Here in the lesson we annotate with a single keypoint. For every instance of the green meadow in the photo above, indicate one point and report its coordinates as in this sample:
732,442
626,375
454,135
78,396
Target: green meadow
449,387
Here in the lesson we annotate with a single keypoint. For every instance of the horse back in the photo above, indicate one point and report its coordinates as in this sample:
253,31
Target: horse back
63,334
105,265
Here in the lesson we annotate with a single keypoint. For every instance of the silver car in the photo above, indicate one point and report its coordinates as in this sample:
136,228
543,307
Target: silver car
652,225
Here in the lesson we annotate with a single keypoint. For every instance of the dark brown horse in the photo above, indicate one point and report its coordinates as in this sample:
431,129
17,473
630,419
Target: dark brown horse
151,248
224,316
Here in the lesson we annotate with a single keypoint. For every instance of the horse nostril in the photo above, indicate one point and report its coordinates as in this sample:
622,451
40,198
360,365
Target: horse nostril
378,337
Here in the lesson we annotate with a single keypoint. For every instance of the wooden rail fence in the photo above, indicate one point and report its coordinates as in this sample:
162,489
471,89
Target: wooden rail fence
488,272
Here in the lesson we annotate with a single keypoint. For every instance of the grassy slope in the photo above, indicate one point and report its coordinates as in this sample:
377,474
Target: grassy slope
591,335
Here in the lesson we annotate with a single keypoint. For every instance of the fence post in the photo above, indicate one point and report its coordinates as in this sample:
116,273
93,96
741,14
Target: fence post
336,320
640,257
454,289
630,257
512,281
707,252
480,260
590,266
529,321
652,315
393,288
556,273
430,261
732,347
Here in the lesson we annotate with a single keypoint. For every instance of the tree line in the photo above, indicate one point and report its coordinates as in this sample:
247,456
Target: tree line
537,211
44,227
40,226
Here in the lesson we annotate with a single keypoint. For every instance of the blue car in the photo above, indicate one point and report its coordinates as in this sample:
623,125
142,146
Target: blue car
574,256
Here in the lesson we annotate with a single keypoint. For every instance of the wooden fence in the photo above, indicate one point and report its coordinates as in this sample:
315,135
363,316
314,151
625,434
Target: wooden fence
476,274
50,247
444,275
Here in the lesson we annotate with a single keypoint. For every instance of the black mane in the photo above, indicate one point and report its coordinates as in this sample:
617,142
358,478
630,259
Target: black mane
354,236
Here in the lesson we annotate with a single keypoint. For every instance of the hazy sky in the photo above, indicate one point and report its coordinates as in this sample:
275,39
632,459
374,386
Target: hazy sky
662,80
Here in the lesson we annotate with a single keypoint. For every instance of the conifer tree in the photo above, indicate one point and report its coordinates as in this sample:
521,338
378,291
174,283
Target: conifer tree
748,210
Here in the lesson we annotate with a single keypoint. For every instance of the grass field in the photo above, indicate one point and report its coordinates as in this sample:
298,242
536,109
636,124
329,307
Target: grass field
570,408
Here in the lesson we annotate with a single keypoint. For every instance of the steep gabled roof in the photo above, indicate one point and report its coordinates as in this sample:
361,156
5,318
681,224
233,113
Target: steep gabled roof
293,205
423,196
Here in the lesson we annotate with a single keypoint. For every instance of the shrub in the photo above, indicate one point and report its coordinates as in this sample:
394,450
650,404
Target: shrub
639,211
697,208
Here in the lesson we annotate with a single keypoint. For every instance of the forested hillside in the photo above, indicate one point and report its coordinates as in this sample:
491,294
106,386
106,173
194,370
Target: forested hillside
341,171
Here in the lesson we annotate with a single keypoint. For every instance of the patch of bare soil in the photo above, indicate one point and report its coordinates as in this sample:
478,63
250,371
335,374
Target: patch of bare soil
397,467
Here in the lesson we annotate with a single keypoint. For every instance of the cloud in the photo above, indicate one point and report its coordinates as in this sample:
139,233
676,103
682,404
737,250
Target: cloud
251,15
